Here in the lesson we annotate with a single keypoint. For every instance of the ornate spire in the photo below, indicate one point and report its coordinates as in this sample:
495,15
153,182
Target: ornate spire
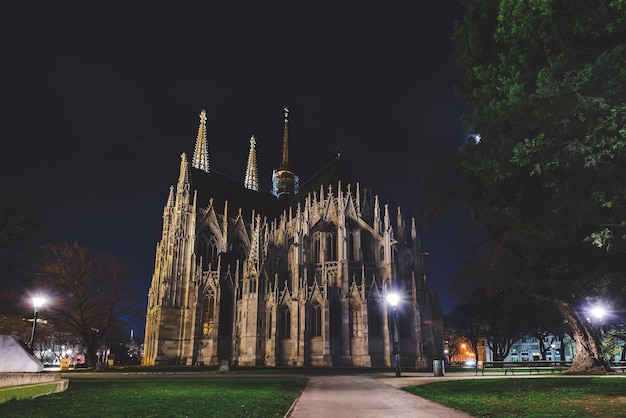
284,165
201,154
183,176
252,177
285,182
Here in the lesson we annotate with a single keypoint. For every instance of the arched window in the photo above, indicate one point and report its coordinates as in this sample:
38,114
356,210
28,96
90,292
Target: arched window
208,249
366,247
374,319
331,246
317,320
357,320
209,311
381,253
284,328
213,250
252,285
351,256
316,244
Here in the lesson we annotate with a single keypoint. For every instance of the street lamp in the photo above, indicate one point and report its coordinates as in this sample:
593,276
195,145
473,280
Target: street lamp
598,312
37,303
394,299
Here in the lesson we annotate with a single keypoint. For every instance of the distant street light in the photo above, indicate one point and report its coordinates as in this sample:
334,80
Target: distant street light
394,299
37,304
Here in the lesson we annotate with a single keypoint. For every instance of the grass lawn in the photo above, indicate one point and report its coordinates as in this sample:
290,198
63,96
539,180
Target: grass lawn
541,397
165,397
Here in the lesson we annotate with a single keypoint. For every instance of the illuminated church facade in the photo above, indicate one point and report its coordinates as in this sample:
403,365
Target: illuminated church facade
295,277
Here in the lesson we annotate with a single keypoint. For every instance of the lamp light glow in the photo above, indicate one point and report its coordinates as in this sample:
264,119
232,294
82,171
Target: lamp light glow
393,299
38,303
598,312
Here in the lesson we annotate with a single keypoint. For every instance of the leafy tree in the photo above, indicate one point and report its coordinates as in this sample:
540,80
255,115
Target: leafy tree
89,292
546,80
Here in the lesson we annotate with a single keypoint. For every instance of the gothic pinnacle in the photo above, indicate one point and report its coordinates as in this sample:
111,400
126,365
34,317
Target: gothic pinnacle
252,177
201,153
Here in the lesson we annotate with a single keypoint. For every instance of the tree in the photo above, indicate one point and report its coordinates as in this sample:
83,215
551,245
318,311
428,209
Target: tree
89,292
546,324
495,316
467,327
546,80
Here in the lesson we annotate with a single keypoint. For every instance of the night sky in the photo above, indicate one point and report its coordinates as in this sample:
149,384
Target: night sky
99,103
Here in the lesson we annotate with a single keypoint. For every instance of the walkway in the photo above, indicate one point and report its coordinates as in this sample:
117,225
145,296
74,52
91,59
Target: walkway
365,396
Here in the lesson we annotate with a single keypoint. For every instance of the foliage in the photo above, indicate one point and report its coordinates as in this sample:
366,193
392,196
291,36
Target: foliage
614,343
547,81
512,397
88,293
166,397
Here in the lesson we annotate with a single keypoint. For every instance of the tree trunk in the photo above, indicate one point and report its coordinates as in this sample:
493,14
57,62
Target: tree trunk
588,358
91,348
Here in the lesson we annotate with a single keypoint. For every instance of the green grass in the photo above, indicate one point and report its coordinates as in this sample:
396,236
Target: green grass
164,397
29,391
541,397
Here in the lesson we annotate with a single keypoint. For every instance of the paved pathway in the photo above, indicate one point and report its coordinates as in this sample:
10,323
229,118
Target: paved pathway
364,396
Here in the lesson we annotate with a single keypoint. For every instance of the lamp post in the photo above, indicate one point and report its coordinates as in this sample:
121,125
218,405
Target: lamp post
393,299
37,303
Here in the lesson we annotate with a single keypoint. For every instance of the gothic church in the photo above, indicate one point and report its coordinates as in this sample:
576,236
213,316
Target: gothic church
293,277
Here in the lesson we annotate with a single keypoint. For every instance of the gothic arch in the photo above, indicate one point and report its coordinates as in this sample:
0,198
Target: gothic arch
324,242
207,247
209,301
367,246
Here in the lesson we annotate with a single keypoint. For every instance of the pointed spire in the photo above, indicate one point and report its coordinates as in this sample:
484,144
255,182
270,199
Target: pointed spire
285,183
170,198
201,154
252,177
183,176
284,165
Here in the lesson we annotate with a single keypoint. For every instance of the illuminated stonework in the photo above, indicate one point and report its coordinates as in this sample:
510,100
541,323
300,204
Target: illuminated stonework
252,178
201,154
245,278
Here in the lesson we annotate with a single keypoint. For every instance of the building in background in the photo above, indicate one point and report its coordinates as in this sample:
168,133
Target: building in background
292,277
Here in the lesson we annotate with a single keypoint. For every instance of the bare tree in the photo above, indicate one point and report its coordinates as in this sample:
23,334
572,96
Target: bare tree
90,293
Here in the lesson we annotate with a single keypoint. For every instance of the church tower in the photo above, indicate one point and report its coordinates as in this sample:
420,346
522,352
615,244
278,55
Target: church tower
285,182
174,274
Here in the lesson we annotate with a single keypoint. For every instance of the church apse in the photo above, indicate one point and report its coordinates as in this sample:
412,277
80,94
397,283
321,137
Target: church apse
253,280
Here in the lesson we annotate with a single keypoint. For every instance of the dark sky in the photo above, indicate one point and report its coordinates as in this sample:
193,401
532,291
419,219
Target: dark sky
99,103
